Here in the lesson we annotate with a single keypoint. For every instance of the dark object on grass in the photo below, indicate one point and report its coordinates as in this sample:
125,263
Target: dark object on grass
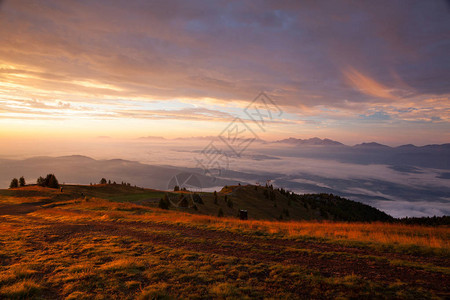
243,214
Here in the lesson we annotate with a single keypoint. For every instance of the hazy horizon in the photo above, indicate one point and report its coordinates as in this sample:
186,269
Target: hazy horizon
67,71
401,182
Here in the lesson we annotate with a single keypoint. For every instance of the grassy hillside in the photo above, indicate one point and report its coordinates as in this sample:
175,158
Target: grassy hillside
65,245
262,203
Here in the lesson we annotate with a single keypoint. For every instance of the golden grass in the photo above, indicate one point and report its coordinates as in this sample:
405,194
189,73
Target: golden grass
377,232
122,263
45,258
20,289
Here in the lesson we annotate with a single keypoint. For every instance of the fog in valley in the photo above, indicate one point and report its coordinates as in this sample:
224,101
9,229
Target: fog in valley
402,181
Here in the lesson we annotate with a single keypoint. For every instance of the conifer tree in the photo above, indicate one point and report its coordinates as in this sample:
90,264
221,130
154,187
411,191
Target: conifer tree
14,183
220,212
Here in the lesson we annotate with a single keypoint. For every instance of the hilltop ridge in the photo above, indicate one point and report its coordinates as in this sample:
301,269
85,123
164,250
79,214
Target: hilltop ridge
262,203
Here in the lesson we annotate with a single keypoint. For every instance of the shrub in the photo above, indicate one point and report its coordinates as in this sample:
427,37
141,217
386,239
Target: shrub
22,181
164,203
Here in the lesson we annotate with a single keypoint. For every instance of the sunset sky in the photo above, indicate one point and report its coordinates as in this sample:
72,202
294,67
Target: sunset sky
353,71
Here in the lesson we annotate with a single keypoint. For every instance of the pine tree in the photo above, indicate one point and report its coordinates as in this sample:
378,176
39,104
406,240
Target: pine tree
229,202
51,181
272,195
41,181
215,197
14,183
22,181
220,212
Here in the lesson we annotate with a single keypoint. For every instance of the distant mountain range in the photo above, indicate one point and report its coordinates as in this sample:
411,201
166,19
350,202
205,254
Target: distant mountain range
84,170
310,142
315,141
327,142
407,163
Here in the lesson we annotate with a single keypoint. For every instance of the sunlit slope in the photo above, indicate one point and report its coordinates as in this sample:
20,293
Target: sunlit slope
263,203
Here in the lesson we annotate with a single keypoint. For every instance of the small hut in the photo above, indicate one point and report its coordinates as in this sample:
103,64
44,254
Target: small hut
243,214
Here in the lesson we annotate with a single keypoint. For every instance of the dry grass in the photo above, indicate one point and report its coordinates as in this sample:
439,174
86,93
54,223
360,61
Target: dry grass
377,232
123,264
383,233
51,253
21,289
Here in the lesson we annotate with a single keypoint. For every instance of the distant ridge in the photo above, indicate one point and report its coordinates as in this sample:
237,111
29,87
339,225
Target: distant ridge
408,146
315,141
371,145
152,138
64,157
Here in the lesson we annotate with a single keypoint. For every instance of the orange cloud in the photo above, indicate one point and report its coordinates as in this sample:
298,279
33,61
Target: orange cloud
368,85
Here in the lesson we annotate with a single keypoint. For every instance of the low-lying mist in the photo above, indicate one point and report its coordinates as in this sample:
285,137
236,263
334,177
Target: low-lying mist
402,181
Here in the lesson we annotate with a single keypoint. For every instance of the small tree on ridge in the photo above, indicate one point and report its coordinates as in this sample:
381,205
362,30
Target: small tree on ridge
14,183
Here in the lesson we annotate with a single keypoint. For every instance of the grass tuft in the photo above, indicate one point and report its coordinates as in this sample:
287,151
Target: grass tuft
21,289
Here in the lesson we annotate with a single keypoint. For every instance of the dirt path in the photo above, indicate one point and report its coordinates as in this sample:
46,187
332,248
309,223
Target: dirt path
20,209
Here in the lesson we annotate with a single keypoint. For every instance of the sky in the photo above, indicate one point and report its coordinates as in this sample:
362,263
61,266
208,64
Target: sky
352,71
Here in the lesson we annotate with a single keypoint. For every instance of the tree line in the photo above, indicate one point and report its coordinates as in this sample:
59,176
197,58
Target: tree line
104,181
49,181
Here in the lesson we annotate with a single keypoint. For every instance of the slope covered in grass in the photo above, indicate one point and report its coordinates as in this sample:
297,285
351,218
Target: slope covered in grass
85,247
